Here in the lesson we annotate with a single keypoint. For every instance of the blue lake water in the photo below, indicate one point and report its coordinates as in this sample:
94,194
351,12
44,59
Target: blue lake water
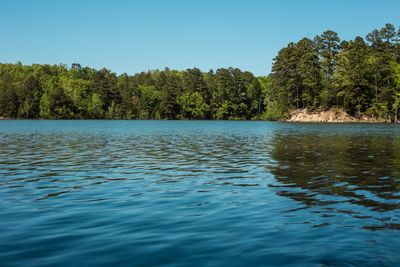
198,193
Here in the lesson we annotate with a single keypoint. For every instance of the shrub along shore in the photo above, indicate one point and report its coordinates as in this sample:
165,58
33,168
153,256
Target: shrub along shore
359,77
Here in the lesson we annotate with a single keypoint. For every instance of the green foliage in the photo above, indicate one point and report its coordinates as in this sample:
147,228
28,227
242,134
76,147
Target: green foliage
149,99
360,76
58,92
113,111
274,111
192,106
396,97
328,45
222,112
355,75
54,103
296,76
95,107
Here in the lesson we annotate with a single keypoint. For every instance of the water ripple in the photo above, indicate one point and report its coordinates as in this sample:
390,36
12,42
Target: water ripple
198,193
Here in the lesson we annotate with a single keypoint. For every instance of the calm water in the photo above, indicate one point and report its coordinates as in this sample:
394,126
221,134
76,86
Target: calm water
147,193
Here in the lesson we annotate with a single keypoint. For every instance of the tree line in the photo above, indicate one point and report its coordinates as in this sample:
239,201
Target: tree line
362,76
58,92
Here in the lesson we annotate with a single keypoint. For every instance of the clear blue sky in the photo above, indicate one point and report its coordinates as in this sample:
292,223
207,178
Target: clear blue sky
132,36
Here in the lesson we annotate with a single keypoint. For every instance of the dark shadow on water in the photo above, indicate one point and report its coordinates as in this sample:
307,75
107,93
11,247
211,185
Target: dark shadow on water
358,169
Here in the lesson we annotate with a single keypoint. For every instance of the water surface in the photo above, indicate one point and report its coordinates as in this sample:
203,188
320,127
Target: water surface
198,193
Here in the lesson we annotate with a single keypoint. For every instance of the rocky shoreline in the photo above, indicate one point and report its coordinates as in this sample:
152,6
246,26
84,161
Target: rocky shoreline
335,115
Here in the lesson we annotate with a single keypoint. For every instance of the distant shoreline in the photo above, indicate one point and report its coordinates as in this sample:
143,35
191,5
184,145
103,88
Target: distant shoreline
290,120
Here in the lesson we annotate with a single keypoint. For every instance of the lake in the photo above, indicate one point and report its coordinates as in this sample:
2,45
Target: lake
198,193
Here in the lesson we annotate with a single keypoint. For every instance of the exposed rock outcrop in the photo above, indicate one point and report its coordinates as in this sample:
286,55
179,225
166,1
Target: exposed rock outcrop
330,115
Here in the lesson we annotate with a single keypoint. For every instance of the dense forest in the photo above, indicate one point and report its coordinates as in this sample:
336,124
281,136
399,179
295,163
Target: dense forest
362,76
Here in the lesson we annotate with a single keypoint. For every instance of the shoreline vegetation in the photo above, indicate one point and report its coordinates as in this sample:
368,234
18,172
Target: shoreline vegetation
324,79
333,115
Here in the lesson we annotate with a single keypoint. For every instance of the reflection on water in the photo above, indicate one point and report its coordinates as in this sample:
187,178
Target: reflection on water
359,172
198,193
